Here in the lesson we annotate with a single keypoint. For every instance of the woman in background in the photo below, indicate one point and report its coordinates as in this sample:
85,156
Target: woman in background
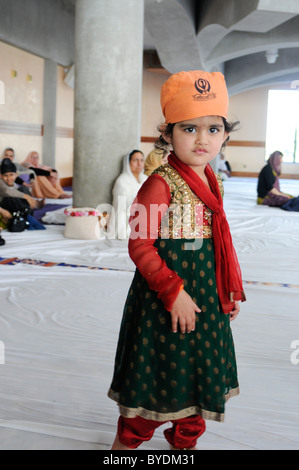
47,182
124,192
268,187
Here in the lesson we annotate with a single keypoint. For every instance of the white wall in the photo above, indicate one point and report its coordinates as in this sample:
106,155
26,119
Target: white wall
250,108
23,103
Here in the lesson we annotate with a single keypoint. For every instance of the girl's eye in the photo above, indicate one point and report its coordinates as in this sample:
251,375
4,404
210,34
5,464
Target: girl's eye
190,130
214,130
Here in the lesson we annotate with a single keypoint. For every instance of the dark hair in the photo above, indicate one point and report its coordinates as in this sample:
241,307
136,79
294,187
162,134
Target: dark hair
160,142
10,149
228,126
132,153
7,166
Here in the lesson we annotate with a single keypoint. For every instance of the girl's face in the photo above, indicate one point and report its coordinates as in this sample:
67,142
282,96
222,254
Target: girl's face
198,141
137,163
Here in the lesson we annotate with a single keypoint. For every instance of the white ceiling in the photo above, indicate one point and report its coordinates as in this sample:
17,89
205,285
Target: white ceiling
254,42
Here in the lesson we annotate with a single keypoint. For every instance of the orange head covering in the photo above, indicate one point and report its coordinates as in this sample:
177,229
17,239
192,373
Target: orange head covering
188,95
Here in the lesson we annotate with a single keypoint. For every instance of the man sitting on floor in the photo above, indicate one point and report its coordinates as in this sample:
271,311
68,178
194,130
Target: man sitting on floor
12,199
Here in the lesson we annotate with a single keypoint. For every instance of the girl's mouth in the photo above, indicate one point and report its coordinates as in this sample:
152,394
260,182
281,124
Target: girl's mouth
200,151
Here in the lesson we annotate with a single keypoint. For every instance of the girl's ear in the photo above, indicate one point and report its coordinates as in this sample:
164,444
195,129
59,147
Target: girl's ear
165,136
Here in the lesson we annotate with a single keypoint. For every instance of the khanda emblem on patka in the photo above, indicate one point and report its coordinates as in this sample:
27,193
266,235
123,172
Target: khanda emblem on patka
204,90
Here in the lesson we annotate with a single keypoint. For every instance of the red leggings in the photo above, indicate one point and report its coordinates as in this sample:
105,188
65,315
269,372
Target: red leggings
182,435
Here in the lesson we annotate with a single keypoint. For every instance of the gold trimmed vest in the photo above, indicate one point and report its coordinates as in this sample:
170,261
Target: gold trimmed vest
188,217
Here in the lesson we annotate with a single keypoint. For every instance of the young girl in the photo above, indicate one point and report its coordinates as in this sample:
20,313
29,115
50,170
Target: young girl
175,359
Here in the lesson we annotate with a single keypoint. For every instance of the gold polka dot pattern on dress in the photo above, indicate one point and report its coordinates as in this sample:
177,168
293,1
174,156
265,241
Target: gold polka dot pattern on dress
164,372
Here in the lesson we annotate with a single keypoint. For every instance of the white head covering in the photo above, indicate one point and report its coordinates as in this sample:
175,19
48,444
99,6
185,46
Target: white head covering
127,168
124,192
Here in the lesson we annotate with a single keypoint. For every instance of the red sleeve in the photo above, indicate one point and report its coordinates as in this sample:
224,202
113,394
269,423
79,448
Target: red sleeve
147,211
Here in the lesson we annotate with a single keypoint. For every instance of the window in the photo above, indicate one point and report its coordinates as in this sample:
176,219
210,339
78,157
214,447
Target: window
283,124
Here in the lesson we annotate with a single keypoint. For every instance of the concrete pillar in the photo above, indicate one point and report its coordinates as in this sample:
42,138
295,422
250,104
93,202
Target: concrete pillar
108,92
49,113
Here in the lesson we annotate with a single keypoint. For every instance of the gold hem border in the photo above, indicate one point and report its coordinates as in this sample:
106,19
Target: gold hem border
156,416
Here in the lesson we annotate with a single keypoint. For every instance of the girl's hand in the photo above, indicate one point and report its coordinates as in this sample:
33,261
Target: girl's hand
234,313
183,313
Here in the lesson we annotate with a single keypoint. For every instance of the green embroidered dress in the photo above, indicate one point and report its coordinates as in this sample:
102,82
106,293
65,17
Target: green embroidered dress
161,375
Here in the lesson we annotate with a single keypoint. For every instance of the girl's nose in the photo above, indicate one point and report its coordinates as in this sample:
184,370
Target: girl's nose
201,137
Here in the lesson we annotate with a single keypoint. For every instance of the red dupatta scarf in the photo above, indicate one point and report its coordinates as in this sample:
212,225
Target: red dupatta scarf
228,272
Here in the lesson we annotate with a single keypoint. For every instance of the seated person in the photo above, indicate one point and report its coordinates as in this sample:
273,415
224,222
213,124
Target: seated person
10,176
47,182
224,168
28,174
124,192
11,199
268,187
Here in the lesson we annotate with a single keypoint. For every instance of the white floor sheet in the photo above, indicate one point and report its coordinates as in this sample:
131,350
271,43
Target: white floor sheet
59,327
